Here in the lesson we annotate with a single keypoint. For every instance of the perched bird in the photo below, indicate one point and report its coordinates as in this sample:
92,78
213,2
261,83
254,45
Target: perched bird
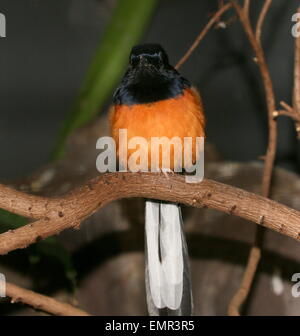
154,100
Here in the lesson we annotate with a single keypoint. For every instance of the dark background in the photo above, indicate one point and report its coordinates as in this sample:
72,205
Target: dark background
43,61
49,45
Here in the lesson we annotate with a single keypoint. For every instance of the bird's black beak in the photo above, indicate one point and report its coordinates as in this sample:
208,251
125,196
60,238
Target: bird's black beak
144,63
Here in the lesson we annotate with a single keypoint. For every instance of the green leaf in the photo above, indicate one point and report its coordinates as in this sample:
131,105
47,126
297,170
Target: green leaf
125,29
11,221
47,248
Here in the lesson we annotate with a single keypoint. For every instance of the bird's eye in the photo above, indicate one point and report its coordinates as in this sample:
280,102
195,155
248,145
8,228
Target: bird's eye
161,60
134,60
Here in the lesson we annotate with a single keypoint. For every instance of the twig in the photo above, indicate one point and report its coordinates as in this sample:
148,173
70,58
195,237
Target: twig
201,35
254,256
246,7
289,111
286,106
68,211
286,113
261,19
294,111
42,302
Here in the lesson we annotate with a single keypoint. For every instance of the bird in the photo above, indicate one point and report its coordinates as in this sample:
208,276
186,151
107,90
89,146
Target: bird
154,100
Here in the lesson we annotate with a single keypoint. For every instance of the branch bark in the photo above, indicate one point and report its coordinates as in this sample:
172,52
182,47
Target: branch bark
23,204
42,302
68,211
261,19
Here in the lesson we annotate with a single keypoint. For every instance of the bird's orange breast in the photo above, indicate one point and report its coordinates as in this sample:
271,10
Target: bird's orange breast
182,116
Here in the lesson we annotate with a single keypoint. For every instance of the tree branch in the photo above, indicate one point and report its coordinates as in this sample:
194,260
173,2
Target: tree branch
68,211
261,19
42,302
255,253
294,111
26,205
202,34
246,7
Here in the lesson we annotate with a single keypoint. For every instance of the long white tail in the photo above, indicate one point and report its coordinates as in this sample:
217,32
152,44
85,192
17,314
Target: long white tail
167,267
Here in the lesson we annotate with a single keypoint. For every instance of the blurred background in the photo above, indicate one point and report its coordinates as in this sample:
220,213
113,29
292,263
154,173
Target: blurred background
45,63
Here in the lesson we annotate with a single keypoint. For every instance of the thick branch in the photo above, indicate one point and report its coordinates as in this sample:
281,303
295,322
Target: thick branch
69,211
42,302
26,205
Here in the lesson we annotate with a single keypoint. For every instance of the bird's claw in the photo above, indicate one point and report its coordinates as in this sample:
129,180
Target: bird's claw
165,171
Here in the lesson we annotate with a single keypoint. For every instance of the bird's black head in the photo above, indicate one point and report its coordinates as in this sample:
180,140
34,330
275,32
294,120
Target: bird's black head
149,77
151,57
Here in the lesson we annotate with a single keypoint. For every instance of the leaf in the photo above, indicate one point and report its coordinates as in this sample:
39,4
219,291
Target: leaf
126,27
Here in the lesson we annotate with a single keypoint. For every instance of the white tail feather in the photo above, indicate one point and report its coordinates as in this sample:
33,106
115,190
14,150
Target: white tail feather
154,266
171,251
163,236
